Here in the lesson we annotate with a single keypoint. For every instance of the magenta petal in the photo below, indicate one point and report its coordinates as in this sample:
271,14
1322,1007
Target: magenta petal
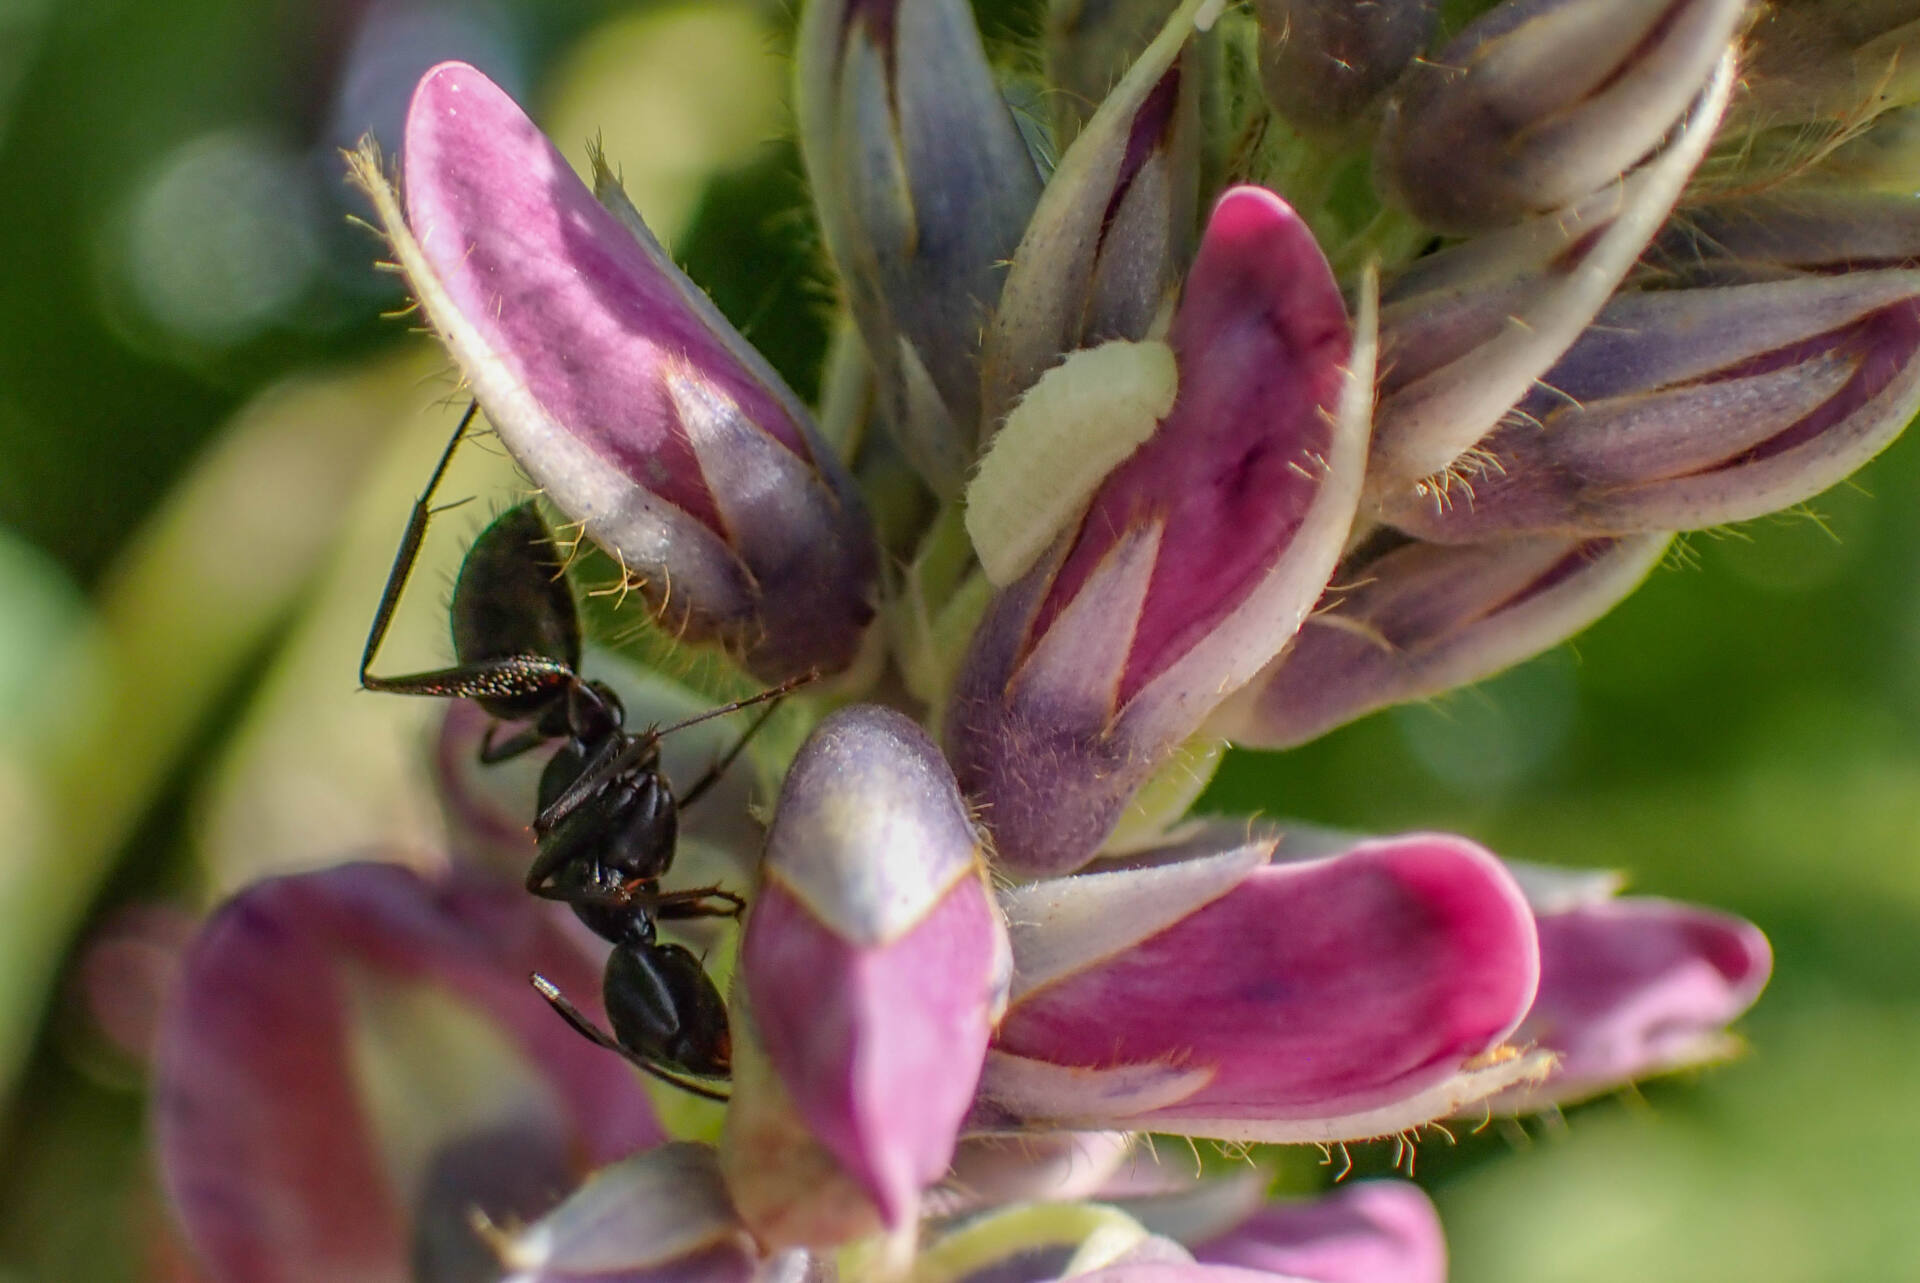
880,1047
1313,990
1370,1232
1196,559
559,288
629,399
263,1120
1635,987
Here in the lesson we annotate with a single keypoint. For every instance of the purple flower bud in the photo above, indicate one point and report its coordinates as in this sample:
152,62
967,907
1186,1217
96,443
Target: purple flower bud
1089,47
1768,237
1113,230
354,1063
1467,332
1681,409
1037,1242
1635,987
1369,1232
1223,996
873,967
1049,1167
923,186
1420,619
1322,62
658,1217
1541,102
619,387
1195,561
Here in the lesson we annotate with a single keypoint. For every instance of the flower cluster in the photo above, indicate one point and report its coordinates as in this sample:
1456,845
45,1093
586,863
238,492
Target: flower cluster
1158,478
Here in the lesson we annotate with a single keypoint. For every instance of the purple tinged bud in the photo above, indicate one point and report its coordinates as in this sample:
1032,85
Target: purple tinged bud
1368,1232
1323,62
1113,230
1045,1167
658,1217
1635,987
1541,102
1467,332
1416,620
1769,237
923,186
619,387
1091,44
353,1063
873,967
1195,561
1682,409
1222,996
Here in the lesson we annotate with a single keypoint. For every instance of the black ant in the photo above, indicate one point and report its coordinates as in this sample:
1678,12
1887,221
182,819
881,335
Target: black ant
607,819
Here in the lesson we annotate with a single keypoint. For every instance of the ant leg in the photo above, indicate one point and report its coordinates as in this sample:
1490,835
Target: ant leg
720,765
409,551
525,740
594,1034
672,906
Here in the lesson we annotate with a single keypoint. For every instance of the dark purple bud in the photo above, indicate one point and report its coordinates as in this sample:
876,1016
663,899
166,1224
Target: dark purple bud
1683,409
1467,332
1416,620
1541,102
1114,229
1769,237
633,404
354,1064
923,185
1323,62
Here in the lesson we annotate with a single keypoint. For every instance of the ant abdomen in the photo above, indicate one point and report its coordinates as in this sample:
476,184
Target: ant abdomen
662,1004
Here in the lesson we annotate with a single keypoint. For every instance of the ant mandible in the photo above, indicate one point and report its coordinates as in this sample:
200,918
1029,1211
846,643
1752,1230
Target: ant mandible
607,819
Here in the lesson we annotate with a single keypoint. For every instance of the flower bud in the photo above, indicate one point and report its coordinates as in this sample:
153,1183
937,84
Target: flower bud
354,1063
872,968
1367,1232
1220,995
1195,559
1466,332
658,1217
1113,230
923,185
1768,237
631,402
1323,62
1420,619
1541,102
1682,409
1635,987
1089,46
1046,1241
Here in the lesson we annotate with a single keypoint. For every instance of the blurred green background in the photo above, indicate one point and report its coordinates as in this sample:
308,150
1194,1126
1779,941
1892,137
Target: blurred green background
209,434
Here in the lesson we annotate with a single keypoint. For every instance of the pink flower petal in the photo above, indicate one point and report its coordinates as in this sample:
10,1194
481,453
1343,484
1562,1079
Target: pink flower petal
1369,1232
1318,990
1635,987
263,1113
